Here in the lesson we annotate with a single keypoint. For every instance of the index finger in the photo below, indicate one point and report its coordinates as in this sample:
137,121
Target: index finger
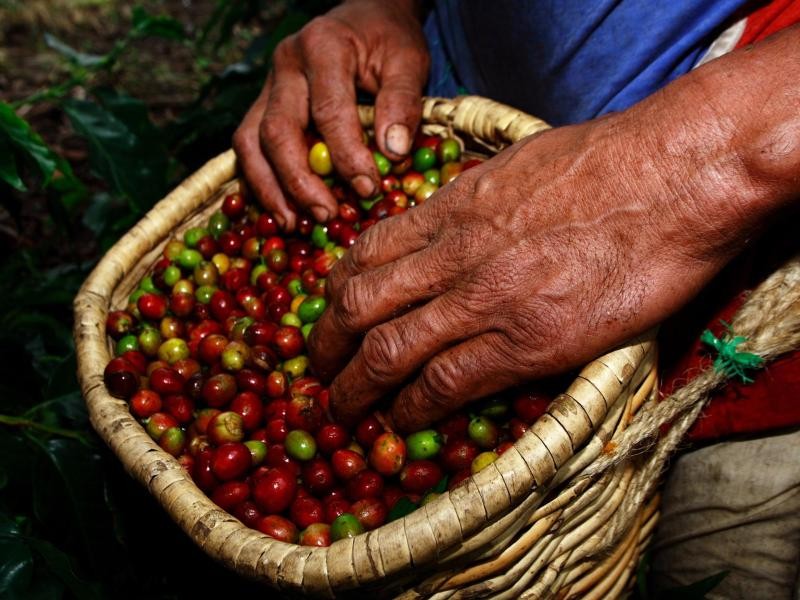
474,369
369,299
254,164
383,243
335,336
393,351
281,131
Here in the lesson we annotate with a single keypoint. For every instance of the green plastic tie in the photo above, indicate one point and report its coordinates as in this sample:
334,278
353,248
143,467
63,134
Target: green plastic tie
729,360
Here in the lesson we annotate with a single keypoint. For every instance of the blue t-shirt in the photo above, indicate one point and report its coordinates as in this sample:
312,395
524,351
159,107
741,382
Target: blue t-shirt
567,61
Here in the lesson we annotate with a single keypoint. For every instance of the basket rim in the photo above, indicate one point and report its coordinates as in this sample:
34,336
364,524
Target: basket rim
395,547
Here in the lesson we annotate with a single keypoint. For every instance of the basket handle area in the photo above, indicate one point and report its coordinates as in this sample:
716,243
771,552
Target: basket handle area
494,124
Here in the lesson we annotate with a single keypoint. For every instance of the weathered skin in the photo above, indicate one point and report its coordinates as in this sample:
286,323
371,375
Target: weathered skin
555,250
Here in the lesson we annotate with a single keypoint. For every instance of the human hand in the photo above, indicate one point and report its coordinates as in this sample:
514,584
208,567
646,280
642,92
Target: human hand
374,45
557,249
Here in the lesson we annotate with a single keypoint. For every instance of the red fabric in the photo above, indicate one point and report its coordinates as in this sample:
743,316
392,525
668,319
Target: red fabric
768,19
772,401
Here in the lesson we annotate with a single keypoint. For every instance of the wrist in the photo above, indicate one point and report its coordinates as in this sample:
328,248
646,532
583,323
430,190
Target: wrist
725,141
755,96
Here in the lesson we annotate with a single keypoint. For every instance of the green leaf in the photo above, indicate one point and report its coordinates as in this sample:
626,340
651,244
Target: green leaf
161,26
59,564
69,190
642,573
108,217
696,590
30,322
8,165
291,23
35,288
19,381
21,136
62,384
89,61
8,527
16,566
69,409
202,129
129,164
43,587
76,479
226,14
402,507
441,486
56,172
131,111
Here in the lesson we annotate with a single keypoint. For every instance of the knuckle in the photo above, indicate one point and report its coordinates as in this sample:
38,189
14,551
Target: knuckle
440,380
496,281
539,325
295,184
381,350
485,183
284,51
340,407
317,31
403,86
242,142
333,283
336,279
327,112
365,247
350,305
406,413
416,55
400,104
271,130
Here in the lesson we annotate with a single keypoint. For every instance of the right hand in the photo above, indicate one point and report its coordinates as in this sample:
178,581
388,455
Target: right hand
375,45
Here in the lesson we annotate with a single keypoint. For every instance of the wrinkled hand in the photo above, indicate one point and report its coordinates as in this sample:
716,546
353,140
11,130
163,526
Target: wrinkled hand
555,250
374,45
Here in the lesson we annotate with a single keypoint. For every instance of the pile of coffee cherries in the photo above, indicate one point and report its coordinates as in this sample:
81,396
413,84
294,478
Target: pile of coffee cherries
210,355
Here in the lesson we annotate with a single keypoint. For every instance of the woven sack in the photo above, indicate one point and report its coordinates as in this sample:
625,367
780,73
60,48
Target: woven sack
566,512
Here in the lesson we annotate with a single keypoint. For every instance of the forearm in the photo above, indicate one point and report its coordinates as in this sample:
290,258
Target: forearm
726,139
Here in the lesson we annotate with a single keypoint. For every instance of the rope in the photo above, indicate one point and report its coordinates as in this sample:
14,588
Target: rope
770,320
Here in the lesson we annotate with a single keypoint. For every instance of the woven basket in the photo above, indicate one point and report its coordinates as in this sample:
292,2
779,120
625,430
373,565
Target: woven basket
548,518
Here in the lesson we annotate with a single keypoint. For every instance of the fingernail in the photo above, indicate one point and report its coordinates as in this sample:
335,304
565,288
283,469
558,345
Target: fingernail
333,402
386,420
363,185
280,220
289,222
398,139
320,213
329,413
394,419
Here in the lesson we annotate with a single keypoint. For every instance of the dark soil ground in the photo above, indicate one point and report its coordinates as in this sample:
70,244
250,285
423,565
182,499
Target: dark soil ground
165,75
